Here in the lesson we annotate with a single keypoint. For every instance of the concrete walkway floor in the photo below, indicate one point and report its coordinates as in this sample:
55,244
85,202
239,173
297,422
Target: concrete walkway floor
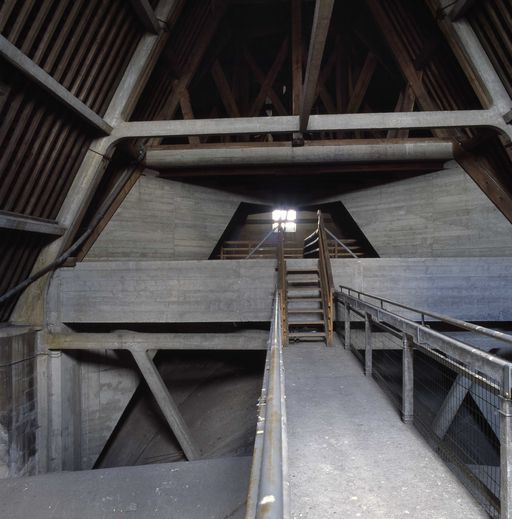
350,455
205,489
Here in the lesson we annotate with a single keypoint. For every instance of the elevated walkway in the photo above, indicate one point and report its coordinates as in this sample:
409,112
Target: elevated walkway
350,455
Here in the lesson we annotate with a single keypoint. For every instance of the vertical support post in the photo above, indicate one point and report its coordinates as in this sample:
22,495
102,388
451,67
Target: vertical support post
347,326
506,444
368,343
407,379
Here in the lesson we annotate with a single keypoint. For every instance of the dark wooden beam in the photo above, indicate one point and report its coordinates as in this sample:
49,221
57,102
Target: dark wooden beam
321,23
226,94
461,9
269,80
146,15
477,167
362,84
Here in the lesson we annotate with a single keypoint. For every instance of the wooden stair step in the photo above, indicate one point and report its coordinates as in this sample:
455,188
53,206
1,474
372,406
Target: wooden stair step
304,298
306,311
306,323
304,283
302,271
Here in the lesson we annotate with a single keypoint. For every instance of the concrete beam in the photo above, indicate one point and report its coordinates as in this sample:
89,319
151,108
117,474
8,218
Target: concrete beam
24,223
247,340
166,403
474,59
321,22
146,15
348,152
317,123
41,78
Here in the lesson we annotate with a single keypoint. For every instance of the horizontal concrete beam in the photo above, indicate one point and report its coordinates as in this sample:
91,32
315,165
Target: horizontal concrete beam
317,123
135,341
37,75
346,152
20,222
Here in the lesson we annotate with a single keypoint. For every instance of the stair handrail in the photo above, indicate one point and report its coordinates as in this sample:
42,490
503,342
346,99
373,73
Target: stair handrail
281,285
260,243
326,279
341,243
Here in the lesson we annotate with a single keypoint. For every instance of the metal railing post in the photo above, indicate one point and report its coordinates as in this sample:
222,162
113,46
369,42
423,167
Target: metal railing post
368,345
346,343
407,379
506,444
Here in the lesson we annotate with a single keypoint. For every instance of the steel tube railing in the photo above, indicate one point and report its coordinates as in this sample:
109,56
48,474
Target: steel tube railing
444,318
268,486
471,366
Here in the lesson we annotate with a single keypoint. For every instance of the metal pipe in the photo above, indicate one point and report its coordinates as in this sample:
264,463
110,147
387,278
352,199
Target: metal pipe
444,318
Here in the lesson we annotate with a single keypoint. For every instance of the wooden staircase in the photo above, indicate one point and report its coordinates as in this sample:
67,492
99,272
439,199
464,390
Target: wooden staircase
304,303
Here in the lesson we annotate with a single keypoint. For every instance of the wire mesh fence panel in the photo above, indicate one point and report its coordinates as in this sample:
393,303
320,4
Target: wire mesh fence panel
457,411
387,364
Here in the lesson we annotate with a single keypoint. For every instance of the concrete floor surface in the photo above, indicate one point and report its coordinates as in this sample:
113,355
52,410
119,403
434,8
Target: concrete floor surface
350,455
207,489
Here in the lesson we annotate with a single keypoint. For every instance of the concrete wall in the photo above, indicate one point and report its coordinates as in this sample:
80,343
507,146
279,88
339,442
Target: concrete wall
158,291
472,289
242,291
18,409
439,214
163,220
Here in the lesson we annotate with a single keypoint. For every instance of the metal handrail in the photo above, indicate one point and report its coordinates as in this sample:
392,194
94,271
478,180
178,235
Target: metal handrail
443,318
340,242
260,243
268,486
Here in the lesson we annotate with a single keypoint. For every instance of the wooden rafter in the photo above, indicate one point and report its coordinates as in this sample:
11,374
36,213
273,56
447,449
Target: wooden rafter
362,84
477,167
226,93
196,56
267,84
187,112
